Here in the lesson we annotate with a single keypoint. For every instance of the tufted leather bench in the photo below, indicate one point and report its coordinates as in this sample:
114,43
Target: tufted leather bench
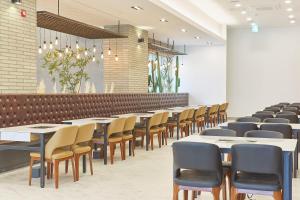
23,109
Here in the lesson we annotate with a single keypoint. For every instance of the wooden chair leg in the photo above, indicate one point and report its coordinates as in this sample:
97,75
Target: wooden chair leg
122,151
175,191
30,170
133,146
56,173
151,141
91,162
233,193
66,166
224,193
185,195
76,158
74,171
166,138
194,195
111,148
48,170
142,142
277,195
159,139
216,193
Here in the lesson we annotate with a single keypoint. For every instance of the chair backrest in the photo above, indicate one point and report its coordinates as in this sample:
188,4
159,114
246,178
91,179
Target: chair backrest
264,134
219,132
248,119
285,129
200,112
284,103
85,133
183,115
197,156
64,137
288,112
242,127
223,107
256,158
191,113
116,126
155,120
130,123
213,109
277,120
274,109
295,104
292,109
292,117
165,118
262,116
265,112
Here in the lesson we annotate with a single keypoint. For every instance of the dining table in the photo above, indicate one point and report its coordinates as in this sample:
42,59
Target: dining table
24,134
288,146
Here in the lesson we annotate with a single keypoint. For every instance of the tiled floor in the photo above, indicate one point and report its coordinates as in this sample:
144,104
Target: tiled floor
146,176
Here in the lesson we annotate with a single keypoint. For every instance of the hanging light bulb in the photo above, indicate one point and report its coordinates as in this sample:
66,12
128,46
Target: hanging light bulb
45,45
94,49
116,58
40,50
78,56
51,46
77,44
60,54
109,51
102,55
94,59
86,52
67,49
56,41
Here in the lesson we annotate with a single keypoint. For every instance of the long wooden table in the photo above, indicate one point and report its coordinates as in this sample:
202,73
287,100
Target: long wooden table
23,134
288,146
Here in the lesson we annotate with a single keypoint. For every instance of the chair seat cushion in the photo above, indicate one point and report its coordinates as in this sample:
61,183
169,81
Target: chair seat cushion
57,154
152,130
194,178
77,149
127,136
253,181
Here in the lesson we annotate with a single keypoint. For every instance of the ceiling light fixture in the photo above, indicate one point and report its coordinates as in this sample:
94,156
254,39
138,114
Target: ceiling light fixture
184,30
243,12
197,37
289,9
288,1
137,8
18,2
249,19
238,5
293,21
291,16
163,20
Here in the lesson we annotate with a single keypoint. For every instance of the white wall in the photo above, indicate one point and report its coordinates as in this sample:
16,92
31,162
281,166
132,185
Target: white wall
263,68
203,75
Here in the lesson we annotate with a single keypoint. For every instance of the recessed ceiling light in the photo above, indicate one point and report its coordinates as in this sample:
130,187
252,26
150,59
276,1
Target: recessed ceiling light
137,8
238,5
291,16
292,21
197,37
287,1
184,30
163,20
244,12
289,9
249,19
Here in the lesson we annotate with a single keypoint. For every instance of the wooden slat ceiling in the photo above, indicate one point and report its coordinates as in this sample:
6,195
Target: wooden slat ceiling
62,24
163,48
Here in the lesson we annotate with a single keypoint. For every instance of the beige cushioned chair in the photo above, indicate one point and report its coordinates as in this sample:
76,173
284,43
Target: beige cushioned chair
182,123
57,149
128,135
200,117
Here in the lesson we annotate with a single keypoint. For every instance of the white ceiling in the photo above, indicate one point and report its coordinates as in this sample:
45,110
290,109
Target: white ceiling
107,12
266,13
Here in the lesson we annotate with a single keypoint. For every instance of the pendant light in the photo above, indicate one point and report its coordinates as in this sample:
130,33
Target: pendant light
94,58
102,55
60,52
45,43
109,49
56,39
40,46
116,56
50,44
94,47
85,50
77,44
67,47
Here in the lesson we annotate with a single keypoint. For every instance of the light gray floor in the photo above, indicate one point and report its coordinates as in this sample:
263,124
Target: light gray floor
146,176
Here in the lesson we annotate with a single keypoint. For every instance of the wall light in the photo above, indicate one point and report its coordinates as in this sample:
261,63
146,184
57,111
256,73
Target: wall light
18,2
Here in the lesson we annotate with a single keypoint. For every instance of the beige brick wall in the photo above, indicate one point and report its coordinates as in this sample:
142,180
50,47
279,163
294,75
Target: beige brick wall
17,47
130,73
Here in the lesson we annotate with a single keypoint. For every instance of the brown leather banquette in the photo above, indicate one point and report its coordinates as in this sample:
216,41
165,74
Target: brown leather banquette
23,109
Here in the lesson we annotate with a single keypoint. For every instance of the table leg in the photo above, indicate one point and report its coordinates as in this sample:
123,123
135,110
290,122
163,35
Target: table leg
147,134
84,163
105,144
287,176
42,153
